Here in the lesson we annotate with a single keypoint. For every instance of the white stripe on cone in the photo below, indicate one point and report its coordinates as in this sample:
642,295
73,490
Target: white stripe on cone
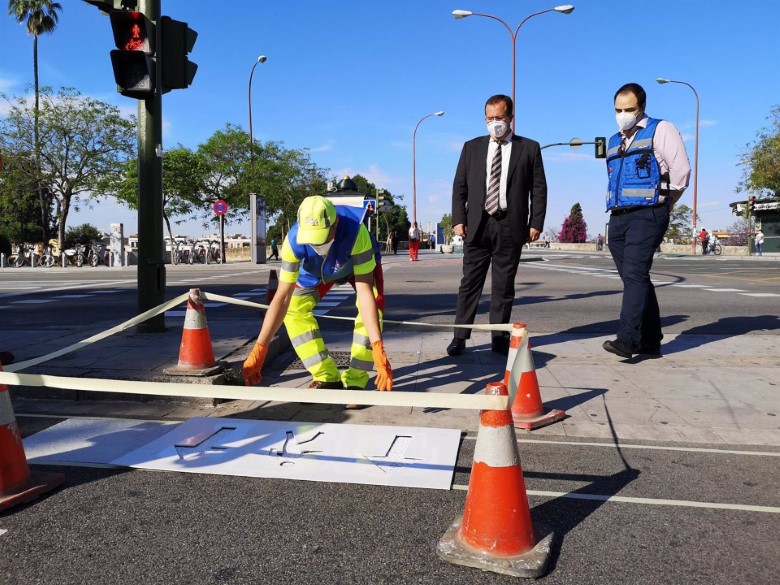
194,319
496,446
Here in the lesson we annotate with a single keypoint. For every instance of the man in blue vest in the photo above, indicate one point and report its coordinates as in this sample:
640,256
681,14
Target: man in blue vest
328,244
648,171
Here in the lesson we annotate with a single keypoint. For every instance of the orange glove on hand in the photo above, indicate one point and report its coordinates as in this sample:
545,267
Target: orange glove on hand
254,363
384,374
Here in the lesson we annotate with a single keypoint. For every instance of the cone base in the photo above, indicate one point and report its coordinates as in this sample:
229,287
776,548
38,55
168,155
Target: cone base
530,564
40,482
193,371
546,418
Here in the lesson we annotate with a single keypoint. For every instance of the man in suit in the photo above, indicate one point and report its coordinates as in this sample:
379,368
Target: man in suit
499,200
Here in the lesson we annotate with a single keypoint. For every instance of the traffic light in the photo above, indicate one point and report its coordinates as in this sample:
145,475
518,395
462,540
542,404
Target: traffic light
132,60
749,204
600,147
177,40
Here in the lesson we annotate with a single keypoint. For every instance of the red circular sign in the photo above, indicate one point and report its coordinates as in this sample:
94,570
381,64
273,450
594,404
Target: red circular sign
220,207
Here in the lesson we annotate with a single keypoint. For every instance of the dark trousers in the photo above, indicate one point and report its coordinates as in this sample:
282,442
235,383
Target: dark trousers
493,245
634,236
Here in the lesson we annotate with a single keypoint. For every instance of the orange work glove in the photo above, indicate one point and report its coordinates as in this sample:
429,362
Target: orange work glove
254,363
384,374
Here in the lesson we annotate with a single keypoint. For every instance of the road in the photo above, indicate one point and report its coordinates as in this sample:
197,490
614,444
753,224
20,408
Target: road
689,513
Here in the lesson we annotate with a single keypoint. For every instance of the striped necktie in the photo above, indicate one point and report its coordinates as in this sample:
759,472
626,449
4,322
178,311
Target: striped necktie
494,186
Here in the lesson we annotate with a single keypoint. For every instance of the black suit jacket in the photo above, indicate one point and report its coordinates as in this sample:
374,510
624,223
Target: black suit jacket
526,191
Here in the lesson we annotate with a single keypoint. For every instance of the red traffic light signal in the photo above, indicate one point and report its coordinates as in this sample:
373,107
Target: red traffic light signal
133,63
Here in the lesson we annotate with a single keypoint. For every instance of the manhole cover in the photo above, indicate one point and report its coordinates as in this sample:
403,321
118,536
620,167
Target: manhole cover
340,357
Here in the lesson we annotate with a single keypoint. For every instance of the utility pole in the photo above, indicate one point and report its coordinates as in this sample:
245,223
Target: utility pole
151,263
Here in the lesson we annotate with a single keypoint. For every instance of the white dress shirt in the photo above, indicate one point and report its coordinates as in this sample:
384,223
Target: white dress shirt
669,151
506,150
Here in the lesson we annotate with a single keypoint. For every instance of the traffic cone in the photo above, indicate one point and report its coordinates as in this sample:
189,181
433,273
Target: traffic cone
17,483
495,532
528,411
196,356
273,284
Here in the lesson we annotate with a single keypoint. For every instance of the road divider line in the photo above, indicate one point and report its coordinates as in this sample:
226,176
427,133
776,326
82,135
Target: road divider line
648,447
645,501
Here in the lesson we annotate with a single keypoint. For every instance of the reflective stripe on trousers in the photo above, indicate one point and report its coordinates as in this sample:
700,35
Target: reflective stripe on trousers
306,339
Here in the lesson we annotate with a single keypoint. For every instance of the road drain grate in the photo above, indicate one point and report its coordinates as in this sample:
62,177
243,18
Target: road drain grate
340,357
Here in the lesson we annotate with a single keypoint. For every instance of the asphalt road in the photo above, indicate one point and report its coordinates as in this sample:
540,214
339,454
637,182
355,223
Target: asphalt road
688,514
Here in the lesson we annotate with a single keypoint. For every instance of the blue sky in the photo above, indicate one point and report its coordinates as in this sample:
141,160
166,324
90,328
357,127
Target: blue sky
349,81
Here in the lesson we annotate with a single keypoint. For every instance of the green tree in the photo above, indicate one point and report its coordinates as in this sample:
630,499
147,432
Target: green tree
680,224
83,149
761,160
85,233
39,17
184,177
574,229
20,214
446,227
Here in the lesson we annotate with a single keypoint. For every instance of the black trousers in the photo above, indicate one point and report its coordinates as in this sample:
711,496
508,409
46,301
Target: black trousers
492,246
634,236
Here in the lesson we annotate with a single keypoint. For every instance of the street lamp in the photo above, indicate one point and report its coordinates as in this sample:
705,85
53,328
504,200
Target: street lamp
662,80
414,164
564,9
260,59
256,204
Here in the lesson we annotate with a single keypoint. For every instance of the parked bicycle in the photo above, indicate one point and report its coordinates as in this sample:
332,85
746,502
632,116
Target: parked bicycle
714,246
98,254
214,254
50,255
200,251
182,253
23,255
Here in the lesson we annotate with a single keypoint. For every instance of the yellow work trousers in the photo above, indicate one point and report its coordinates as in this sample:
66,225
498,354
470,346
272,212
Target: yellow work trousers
306,339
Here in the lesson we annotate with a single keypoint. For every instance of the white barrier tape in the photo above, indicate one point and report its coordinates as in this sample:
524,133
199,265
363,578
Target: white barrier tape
99,336
494,327
263,393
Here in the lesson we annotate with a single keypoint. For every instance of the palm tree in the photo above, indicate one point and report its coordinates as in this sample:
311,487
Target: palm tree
40,17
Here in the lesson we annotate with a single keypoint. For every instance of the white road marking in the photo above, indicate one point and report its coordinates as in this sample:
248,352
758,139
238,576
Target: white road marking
648,447
645,501
689,285
761,295
3,531
739,290
32,302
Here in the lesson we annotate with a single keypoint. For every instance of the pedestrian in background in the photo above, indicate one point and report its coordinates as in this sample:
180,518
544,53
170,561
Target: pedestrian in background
389,243
395,243
414,243
274,249
760,242
499,201
648,171
704,240
328,244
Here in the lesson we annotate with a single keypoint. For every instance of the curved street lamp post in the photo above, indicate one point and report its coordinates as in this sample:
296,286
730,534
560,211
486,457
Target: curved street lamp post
662,80
414,164
564,9
257,252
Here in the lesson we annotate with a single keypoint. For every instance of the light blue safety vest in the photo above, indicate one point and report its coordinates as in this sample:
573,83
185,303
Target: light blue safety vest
337,265
634,176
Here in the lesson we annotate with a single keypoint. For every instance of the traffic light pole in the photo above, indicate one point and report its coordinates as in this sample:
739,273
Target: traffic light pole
151,263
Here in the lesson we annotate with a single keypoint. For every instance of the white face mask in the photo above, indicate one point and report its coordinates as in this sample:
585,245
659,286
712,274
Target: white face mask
497,128
626,120
322,249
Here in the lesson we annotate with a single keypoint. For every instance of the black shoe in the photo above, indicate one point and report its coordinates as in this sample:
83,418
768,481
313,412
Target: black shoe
654,350
456,346
500,345
618,347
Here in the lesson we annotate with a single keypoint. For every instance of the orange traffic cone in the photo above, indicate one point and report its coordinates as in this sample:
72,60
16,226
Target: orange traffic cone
528,411
273,284
17,483
495,532
196,356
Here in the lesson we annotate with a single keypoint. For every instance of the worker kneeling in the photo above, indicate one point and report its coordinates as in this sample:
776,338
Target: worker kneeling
328,244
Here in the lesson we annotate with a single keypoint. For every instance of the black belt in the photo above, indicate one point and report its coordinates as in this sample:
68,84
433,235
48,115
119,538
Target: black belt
624,210
498,215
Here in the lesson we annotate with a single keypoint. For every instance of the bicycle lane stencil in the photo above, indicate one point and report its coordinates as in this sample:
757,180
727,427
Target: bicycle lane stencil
341,453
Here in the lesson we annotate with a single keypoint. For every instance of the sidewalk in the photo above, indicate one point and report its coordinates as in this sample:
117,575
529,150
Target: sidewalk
706,389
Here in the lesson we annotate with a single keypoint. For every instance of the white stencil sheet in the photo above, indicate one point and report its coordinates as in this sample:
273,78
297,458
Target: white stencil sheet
376,455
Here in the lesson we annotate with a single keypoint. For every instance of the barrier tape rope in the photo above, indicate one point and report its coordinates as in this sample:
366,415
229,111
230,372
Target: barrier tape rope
263,393
276,394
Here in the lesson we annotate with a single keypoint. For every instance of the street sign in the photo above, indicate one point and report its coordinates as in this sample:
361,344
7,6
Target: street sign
220,207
